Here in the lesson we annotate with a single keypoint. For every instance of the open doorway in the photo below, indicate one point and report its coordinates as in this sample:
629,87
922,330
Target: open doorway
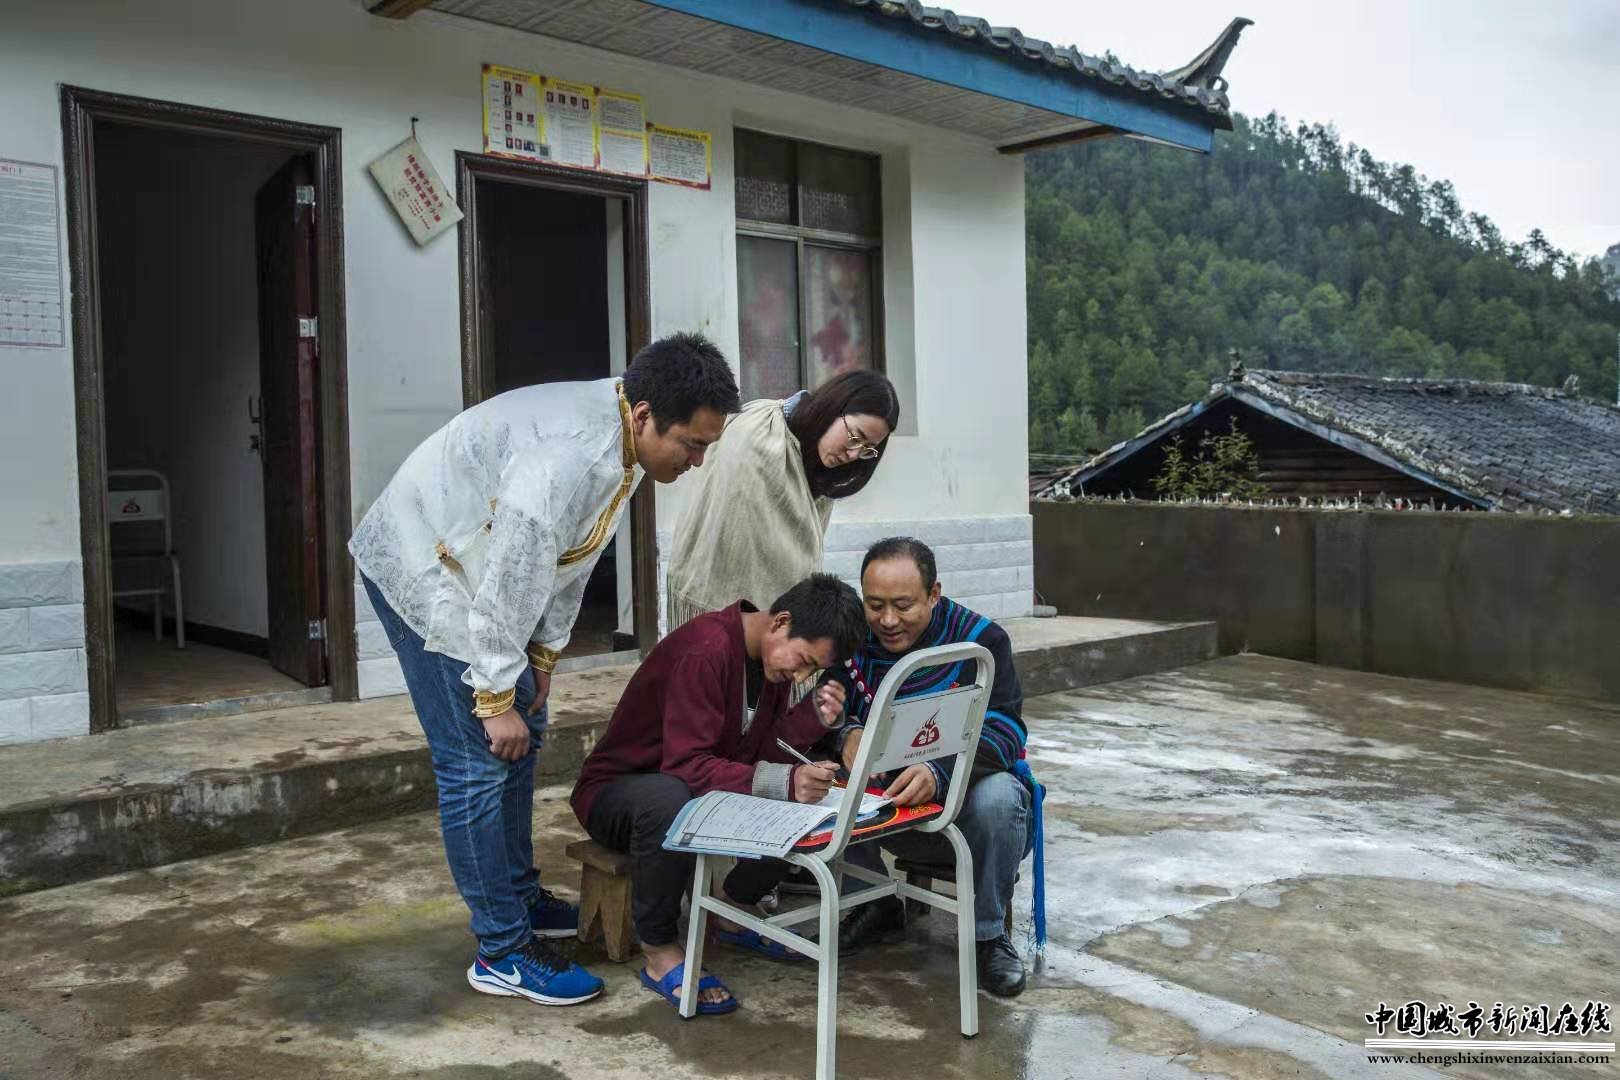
208,466
553,290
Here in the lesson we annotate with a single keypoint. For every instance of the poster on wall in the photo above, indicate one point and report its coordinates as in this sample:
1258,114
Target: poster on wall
413,186
512,113
570,123
539,118
678,156
30,257
621,133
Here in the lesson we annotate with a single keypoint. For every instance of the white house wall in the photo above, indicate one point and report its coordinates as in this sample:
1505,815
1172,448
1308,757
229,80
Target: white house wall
954,262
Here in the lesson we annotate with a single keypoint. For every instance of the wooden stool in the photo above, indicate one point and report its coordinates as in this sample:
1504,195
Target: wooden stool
604,897
923,876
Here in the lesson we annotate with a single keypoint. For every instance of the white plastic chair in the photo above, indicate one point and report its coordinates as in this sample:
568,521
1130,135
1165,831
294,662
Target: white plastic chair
138,503
898,734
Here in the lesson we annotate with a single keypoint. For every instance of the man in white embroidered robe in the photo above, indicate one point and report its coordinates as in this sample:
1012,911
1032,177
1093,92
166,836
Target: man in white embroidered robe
476,558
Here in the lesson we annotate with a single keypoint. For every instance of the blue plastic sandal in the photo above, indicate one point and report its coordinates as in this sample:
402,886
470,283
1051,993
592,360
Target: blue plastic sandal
669,988
754,942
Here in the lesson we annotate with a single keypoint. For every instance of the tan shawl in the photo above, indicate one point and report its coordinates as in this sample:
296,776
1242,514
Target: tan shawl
751,529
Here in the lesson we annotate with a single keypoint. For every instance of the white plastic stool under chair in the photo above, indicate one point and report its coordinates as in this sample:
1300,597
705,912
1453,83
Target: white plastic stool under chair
898,734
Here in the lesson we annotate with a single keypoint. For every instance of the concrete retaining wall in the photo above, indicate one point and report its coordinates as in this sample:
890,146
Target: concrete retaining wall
1522,603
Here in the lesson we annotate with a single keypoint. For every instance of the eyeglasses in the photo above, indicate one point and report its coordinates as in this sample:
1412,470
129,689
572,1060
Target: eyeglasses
864,450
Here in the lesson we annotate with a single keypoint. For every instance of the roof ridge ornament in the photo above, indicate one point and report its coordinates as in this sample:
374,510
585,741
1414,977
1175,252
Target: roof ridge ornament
1204,72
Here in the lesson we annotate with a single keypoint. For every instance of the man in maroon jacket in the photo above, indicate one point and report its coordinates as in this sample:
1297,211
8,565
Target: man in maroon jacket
701,714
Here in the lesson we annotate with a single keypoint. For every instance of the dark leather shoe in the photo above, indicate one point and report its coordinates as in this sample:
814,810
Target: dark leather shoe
882,922
1001,970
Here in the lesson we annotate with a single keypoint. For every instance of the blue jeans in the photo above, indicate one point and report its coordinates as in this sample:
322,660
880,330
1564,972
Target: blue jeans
995,821
486,805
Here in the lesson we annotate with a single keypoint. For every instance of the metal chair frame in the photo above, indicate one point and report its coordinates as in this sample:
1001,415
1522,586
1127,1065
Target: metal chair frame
828,866
168,554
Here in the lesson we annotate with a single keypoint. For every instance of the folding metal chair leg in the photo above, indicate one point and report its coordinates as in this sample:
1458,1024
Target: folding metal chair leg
179,603
697,931
967,959
827,981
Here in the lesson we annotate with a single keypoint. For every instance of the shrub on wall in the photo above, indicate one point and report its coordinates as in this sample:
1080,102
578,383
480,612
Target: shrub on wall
1226,467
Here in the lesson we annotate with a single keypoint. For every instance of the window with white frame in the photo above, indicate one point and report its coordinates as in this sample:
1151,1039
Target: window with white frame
809,263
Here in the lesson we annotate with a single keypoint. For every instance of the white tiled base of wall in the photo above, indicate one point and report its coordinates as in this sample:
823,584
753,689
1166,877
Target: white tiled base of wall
42,669
986,563
379,670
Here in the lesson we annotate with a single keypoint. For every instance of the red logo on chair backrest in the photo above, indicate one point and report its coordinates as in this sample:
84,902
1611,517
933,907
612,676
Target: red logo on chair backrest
928,735
131,507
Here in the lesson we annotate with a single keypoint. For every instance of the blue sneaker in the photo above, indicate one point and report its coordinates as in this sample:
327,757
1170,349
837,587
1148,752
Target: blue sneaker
553,917
534,971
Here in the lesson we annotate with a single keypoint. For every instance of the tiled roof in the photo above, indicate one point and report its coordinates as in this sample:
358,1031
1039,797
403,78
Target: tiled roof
688,34
1198,84
1508,445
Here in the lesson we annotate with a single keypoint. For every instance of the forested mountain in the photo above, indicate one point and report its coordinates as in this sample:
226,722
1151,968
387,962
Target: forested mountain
1147,266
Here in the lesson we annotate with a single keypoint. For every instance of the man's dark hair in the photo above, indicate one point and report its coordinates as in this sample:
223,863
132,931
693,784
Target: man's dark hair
849,394
678,375
905,547
821,606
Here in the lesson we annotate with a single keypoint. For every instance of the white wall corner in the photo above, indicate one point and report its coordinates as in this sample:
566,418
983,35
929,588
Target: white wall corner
42,674
372,642
363,611
15,722
14,630
61,716
381,677
59,626
37,584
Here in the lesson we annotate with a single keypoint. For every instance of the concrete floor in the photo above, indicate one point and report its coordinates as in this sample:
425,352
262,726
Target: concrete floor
1243,857
593,631
153,673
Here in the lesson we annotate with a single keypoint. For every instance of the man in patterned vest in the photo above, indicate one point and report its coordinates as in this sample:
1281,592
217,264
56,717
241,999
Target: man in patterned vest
905,611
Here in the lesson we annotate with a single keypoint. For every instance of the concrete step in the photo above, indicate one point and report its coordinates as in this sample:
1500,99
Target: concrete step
1066,653
145,796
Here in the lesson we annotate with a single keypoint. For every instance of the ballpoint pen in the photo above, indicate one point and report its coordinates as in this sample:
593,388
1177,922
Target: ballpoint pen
841,774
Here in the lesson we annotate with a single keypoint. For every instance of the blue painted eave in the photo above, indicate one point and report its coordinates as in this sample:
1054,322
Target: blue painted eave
897,44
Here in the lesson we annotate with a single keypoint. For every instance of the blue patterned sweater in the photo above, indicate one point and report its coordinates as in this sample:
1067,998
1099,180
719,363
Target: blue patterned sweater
1001,741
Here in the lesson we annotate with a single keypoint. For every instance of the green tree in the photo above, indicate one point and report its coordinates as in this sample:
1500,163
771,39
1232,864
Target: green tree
1145,267
1226,467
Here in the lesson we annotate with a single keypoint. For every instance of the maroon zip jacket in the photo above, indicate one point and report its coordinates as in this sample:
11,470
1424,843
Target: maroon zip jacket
682,713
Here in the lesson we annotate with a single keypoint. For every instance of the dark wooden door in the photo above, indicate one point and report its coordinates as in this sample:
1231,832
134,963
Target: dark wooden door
288,378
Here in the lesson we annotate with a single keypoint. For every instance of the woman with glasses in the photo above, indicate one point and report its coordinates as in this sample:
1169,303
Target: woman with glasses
758,509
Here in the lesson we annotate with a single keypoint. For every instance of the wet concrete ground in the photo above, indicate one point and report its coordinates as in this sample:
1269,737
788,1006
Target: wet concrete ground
1243,857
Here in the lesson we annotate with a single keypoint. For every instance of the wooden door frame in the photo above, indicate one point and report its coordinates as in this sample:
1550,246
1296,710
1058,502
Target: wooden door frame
471,168
82,109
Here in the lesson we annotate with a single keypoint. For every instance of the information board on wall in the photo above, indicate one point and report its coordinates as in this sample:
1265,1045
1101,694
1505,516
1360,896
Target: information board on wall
621,133
30,257
512,112
678,156
413,186
569,129
538,118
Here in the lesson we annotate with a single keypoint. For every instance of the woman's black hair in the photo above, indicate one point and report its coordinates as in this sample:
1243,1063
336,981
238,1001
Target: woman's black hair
849,394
